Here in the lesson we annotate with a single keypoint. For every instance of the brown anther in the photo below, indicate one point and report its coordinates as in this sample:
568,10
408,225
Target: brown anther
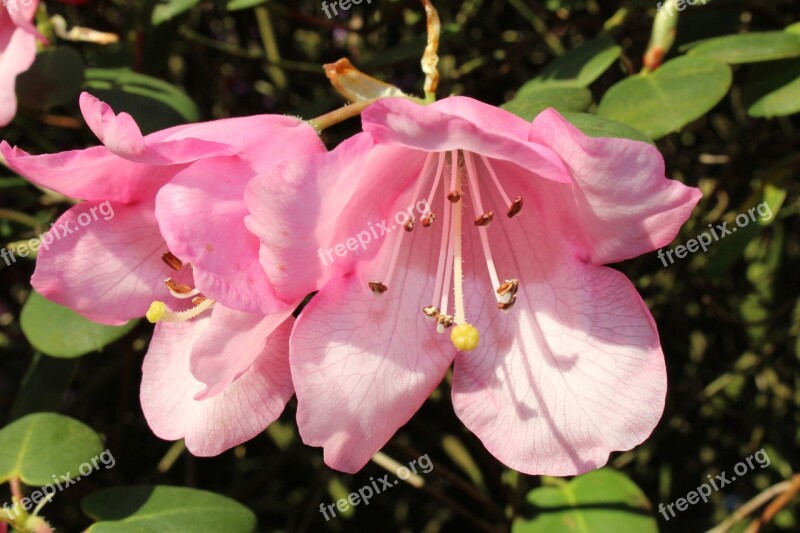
410,223
485,219
173,262
510,286
197,300
378,287
504,306
174,286
431,311
428,219
515,208
454,196
444,321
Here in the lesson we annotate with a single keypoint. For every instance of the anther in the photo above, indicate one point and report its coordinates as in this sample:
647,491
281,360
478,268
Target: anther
485,219
443,322
431,311
410,223
378,287
515,208
179,288
508,290
197,300
454,196
173,262
428,219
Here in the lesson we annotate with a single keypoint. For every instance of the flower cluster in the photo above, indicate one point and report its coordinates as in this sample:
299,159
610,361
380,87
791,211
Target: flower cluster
556,361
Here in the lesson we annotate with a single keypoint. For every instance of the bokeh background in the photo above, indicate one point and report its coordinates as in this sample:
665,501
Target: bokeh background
729,319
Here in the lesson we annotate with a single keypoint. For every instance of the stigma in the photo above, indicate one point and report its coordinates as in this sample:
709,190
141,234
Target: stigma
453,171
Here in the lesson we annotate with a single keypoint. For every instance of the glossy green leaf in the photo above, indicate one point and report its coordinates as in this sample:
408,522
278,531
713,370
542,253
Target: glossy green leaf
595,126
773,89
603,501
163,508
581,66
794,28
748,47
169,9
60,332
662,102
533,100
39,446
55,78
153,103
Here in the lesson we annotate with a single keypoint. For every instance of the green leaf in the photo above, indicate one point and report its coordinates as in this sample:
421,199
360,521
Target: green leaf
55,78
595,126
533,100
581,66
773,89
748,47
153,103
60,332
165,11
603,501
662,102
793,28
163,508
41,445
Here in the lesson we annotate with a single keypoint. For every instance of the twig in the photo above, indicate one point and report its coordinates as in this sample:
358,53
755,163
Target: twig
749,507
777,504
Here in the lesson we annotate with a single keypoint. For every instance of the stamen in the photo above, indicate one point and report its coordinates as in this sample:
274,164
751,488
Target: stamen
444,265
179,290
455,186
171,261
454,196
476,203
485,219
159,312
429,216
378,287
410,223
507,293
514,207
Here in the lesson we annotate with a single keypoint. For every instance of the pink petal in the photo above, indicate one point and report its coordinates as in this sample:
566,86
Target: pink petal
90,174
17,53
108,270
121,135
241,412
201,215
335,199
230,344
622,201
465,124
261,141
363,364
571,372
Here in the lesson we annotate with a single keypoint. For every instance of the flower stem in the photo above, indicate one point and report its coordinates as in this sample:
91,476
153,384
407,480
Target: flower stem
338,115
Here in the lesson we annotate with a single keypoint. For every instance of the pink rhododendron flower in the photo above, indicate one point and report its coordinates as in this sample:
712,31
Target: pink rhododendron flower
17,50
217,371
557,360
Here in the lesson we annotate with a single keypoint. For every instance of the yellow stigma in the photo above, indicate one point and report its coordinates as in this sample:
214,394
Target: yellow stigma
156,312
465,337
